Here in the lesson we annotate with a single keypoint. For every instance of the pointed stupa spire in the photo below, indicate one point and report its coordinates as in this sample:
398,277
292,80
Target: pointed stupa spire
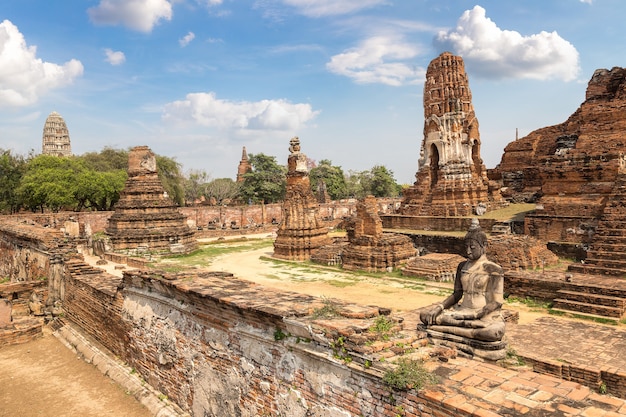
244,165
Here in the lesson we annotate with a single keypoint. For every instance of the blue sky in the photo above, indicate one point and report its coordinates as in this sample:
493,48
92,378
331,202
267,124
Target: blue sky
199,79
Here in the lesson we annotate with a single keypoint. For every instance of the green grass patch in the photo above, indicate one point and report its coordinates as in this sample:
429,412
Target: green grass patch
206,253
340,284
599,320
329,310
272,276
409,374
442,292
530,302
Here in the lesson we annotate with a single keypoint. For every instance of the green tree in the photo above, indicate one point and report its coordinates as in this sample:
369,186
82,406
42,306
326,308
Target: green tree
381,183
355,184
266,182
333,177
195,185
50,181
378,181
99,190
12,168
172,179
108,159
222,189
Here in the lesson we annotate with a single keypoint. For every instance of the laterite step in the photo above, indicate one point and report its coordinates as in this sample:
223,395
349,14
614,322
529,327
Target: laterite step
587,315
594,309
589,298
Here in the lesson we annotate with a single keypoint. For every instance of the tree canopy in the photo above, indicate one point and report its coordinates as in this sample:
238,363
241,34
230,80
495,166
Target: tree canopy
12,168
332,176
378,181
222,189
266,182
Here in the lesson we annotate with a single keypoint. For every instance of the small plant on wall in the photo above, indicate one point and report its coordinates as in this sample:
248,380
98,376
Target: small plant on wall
409,374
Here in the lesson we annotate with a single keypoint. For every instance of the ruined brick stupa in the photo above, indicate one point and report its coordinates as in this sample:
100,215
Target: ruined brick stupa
301,230
577,170
451,178
146,220
369,248
56,136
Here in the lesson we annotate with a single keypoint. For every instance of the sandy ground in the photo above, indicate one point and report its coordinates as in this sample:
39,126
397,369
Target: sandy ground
43,378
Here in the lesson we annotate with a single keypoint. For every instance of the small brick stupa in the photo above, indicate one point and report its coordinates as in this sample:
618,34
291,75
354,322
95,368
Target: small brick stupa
370,249
451,178
244,166
146,220
301,230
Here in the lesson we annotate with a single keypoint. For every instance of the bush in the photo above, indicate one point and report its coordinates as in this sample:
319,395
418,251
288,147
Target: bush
409,374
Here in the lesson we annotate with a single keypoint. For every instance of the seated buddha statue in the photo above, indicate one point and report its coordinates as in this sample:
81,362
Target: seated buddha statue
473,309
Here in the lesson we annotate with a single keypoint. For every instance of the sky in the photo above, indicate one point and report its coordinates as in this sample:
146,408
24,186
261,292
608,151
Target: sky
197,80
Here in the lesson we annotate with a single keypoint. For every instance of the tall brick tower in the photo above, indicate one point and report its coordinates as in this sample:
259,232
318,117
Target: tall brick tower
451,178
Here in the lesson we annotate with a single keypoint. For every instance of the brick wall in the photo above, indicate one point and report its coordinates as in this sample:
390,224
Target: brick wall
244,216
444,224
208,343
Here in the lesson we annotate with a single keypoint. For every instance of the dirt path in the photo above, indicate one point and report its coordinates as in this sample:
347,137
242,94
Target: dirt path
43,378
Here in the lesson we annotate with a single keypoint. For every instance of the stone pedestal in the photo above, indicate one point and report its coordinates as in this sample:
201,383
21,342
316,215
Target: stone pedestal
5,312
492,351
146,220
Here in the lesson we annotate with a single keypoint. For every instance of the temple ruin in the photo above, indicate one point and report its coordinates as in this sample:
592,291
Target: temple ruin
213,343
244,166
301,230
451,178
575,171
370,249
56,136
146,220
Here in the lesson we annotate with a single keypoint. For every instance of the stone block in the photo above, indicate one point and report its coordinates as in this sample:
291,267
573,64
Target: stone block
6,309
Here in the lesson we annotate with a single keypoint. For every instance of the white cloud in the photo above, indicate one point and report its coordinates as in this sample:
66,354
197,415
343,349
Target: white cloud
586,1
140,15
205,109
379,59
489,51
210,3
114,57
23,76
184,41
319,8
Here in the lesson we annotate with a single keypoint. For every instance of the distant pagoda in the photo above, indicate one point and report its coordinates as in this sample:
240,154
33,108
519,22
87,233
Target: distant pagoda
244,166
56,137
